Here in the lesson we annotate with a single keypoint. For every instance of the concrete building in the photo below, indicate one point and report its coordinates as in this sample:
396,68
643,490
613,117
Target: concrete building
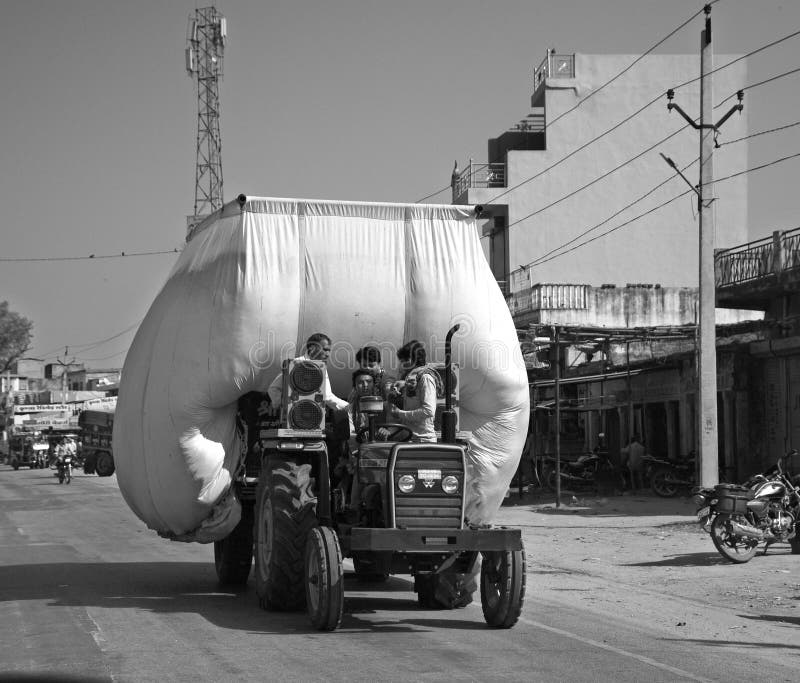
765,274
628,366
557,205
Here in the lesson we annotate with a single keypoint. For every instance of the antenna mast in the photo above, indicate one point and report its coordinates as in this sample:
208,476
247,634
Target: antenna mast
206,37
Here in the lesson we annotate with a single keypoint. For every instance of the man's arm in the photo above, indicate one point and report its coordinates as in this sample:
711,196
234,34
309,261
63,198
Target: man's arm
426,387
331,399
275,391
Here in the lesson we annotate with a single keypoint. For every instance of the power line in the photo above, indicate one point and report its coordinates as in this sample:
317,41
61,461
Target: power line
94,344
621,225
536,262
763,132
631,65
605,175
599,178
594,92
718,180
636,113
97,257
755,85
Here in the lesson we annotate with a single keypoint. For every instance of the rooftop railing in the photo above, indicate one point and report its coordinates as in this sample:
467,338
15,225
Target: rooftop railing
478,175
759,259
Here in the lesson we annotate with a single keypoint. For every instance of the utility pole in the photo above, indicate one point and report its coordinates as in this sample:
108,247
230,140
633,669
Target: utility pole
707,356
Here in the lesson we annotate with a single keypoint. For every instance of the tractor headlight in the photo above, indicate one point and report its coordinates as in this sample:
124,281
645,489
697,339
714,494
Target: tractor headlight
450,484
406,483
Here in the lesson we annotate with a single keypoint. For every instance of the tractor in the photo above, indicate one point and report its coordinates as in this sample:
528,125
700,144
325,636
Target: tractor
405,513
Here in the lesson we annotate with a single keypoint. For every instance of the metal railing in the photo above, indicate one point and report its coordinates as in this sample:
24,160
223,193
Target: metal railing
554,66
759,259
479,175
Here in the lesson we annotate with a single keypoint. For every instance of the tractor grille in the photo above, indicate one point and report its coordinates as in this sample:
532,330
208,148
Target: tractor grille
428,505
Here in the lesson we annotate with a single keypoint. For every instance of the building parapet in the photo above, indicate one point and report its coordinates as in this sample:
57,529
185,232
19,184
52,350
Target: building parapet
554,66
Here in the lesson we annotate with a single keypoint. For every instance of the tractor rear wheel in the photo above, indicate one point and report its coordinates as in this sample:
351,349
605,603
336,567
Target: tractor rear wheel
502,587
233,555
104,464
285,513
324,579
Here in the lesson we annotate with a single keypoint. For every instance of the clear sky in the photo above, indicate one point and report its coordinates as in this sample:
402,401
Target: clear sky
345,99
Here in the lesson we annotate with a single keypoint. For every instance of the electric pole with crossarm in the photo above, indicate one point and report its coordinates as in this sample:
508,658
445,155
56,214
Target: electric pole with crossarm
707,358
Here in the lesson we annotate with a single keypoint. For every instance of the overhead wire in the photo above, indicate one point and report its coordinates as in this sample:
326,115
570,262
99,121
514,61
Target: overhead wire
96,257
82,348
642,197
718,180
594,92
755,85
639,111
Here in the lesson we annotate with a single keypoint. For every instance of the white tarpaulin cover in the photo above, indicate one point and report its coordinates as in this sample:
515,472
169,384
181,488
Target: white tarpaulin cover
253,282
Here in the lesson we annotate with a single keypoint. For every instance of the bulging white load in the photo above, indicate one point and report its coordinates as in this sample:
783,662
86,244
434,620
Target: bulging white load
253,282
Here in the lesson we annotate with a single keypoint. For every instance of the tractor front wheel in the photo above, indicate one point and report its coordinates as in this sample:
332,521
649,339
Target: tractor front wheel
502,587
324,579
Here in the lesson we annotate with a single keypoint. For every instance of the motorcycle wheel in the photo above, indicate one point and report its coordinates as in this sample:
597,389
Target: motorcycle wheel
68,476
661,485
551,480
732,548
60,476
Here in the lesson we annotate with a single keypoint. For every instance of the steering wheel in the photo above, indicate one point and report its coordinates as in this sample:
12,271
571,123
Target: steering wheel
396,429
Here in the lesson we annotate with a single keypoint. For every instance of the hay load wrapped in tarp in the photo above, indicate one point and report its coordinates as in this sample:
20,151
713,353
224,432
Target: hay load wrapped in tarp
253,282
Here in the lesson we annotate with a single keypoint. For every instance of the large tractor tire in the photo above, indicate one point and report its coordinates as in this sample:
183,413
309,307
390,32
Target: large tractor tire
233,555
90,462
324,579
285,513
104,464
502,587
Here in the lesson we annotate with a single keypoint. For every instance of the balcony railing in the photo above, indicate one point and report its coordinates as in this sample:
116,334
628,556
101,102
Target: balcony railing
478,175
554,66
758,259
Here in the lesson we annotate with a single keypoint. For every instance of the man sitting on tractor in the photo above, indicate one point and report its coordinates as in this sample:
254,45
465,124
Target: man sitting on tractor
422,385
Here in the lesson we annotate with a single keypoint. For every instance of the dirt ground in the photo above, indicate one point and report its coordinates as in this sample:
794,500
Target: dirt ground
645,559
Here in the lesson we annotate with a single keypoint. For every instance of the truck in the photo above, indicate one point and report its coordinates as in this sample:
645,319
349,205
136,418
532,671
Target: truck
96,429
408,517
28,449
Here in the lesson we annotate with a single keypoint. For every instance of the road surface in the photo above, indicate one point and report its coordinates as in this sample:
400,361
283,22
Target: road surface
87,592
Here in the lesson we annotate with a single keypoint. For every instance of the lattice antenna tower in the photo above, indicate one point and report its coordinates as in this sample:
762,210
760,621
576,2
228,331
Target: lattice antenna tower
206,37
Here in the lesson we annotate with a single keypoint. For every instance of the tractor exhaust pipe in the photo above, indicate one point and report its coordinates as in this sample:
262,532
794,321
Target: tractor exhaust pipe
449,415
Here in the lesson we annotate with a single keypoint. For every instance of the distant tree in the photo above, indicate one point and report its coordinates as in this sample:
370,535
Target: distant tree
16,333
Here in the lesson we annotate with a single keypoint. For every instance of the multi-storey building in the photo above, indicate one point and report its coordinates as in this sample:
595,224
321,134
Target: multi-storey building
557,205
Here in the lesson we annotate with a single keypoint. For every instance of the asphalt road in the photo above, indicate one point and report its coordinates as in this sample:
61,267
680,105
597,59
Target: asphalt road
87,592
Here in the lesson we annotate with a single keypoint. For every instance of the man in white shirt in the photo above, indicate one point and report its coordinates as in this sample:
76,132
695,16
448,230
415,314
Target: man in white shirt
318,347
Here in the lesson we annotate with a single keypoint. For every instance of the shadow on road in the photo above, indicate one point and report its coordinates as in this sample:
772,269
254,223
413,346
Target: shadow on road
737,645
781,620
689,560
191,587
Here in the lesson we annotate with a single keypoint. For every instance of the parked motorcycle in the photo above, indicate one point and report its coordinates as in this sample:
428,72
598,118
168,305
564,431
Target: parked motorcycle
578,475
766,508
64,469
668,477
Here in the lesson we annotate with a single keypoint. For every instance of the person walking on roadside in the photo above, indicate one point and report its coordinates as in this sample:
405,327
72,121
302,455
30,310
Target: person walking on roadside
633,455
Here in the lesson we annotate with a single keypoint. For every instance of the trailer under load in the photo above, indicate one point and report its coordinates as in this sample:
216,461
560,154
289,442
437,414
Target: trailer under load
253,282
